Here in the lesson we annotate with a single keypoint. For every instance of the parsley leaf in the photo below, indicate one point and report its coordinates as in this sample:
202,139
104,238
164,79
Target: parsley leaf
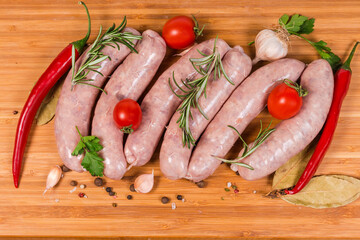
297,24
92,161
307,27
92,143
79,149
325,53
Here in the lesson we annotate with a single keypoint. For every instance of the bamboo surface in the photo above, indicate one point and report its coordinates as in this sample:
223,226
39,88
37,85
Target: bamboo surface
33,32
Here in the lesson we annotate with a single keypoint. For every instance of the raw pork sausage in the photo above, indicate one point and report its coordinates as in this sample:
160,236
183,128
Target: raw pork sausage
128,81
75,106
293,135
160,104
244,104
174,157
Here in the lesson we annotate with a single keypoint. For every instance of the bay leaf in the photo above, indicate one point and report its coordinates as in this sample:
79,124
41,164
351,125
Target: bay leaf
327,191
47,109
289,173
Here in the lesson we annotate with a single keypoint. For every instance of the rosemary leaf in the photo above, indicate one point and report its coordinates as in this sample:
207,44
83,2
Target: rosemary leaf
248,150
193,90
112,37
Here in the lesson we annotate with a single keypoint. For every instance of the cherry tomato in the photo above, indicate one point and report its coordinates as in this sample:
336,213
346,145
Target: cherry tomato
180,32
127,115
285,100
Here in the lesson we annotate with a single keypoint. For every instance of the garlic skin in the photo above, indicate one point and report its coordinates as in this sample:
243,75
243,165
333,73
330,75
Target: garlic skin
234,167
144,183
53,177
270,45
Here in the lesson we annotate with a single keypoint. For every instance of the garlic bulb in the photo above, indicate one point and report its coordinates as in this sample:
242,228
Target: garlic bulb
53,177
144,183
270,45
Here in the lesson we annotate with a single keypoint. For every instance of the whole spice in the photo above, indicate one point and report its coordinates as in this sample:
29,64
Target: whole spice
15,112
132,188
108,189
201,184
112,193
73,183
114,204
236,190
165,200
129,197
53,178
144,183
59,66
98,182
179,197
65,168
270,45
342,82
81,195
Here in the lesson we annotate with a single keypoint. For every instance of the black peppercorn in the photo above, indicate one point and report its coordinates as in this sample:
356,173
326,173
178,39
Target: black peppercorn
165,200
15,112
201,184
108,189
179,197
65,168
112,193
98,182
129,197
73,183
132,188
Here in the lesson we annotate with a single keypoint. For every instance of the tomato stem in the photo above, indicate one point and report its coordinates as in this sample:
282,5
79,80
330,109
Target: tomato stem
127,129
301,91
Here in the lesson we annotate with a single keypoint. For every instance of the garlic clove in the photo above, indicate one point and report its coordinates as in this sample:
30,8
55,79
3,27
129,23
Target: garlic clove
270,45
144,183
53,177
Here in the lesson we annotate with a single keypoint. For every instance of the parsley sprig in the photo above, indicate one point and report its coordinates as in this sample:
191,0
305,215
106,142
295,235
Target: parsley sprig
112,37
92,161
261,137
193,90
298,25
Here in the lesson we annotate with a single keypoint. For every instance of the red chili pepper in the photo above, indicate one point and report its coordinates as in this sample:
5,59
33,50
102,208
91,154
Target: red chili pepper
342,82
59,66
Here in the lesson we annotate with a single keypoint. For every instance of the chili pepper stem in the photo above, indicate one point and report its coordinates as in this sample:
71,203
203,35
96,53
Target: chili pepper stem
79,44
346,64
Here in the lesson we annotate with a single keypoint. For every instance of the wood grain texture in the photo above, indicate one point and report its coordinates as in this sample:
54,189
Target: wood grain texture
33,32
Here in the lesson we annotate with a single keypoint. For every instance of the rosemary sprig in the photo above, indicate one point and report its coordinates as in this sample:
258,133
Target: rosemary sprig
193,90
261,137
112,37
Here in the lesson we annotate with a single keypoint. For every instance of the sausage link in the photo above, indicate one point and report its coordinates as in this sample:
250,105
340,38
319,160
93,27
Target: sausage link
174,157
244,104
75,106
293,135
129,80
160,104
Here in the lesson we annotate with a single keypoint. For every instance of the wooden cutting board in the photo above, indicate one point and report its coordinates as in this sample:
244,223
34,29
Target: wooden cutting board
33,32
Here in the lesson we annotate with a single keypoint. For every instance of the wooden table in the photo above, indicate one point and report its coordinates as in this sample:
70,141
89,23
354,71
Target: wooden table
31,35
